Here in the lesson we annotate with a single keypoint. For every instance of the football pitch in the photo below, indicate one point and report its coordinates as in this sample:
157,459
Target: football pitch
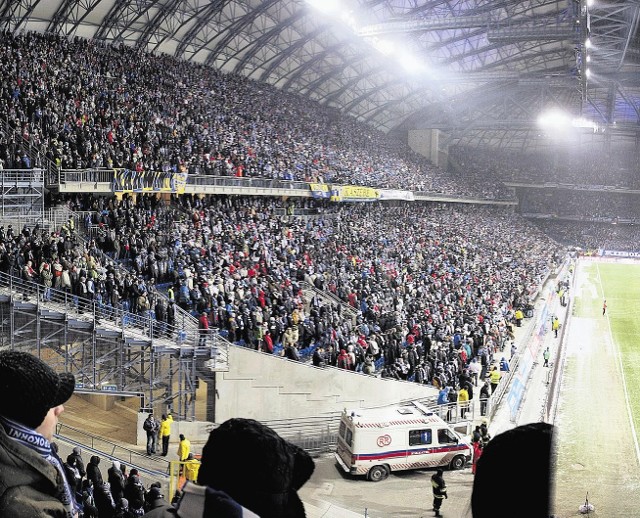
599,404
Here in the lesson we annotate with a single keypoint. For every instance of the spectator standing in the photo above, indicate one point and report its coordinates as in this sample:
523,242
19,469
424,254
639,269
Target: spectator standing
77,454
439,489
93,471
32,479
116,481
203,325
463,401
474,370
165,432
485,394
150,426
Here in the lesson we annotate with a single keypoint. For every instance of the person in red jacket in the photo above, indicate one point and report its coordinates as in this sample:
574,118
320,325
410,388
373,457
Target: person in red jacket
204,328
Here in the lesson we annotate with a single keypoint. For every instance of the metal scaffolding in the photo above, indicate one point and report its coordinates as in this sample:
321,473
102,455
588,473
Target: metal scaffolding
110,352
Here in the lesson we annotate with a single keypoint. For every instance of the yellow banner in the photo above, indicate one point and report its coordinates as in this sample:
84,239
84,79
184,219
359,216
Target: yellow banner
354,192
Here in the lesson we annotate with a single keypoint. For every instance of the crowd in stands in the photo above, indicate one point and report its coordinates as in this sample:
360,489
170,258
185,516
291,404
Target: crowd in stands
115,493
579,204
591,237
586,165
87,104
426,282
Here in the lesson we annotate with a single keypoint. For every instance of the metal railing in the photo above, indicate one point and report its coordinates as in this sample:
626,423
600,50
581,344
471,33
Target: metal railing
144,325
332,298
106,176
143,463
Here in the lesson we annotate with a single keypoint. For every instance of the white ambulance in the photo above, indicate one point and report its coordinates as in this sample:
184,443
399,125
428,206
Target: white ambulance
377,441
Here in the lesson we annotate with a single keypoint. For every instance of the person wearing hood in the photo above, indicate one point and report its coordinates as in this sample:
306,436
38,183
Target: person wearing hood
76,453
155,501
93,471
32,478
104,500
116,481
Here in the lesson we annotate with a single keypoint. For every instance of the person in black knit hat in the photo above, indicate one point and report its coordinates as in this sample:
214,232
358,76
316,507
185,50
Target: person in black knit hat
246,468
32,480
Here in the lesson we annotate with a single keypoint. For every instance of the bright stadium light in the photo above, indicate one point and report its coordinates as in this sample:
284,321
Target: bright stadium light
587,43
410,63
325,6
385,47
554,119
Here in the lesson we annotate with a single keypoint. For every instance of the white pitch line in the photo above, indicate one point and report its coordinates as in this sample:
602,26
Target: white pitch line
620,366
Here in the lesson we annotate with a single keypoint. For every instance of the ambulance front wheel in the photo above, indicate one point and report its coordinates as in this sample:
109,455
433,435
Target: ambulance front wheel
458,462
378,473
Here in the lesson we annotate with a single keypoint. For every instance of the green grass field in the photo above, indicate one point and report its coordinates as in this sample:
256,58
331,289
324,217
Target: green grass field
599,405
620,285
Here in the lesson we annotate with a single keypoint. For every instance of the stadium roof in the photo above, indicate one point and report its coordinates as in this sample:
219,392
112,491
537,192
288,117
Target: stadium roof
481,71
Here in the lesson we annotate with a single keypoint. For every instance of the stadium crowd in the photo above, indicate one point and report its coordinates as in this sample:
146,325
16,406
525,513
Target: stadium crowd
584,165
86,104
416,276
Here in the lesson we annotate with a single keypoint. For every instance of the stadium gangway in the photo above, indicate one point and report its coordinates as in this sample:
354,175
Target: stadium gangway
188,323
109,349
331,298
105,175
154,468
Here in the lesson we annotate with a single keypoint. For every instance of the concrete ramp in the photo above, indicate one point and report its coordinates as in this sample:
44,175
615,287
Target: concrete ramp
263,387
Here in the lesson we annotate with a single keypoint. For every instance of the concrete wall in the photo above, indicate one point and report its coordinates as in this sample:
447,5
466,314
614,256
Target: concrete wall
263,387
425,142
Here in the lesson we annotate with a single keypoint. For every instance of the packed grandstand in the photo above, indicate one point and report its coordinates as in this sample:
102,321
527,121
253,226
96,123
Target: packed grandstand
433,285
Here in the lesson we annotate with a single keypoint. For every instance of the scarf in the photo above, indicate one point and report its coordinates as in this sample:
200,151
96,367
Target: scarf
34,441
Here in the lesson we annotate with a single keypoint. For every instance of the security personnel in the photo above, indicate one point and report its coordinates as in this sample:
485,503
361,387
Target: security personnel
191,468
439,489
555,325
519,316
494,378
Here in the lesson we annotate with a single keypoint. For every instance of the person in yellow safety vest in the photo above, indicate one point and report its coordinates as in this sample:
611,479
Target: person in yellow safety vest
555,325
519,316
165,433
463,401
184,448
191,468
494,378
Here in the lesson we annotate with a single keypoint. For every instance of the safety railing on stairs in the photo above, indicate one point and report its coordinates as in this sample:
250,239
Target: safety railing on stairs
145,326
133,459
331,298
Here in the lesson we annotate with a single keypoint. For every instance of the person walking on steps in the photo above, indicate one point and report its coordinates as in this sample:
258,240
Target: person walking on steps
604,307
439,489
545,355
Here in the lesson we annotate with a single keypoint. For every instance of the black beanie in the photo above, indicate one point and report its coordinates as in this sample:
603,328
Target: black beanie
30,388
278,468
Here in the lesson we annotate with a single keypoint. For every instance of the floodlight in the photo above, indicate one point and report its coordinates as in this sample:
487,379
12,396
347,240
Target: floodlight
385,47
410,63
554,119
588,72
326,6
588,59
587,43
